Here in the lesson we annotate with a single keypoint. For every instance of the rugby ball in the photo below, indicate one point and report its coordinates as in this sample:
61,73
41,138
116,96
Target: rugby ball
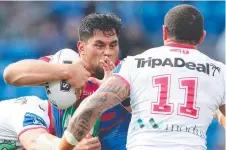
60,93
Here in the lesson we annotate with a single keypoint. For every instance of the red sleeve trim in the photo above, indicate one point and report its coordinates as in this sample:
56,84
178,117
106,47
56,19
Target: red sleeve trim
32,128
45,58
122,79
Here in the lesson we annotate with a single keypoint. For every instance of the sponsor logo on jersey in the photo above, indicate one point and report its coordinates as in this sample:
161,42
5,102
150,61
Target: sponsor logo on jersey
184,51
21,100
152,124
40,107
177,62
64,85
8,145
67,62
33,119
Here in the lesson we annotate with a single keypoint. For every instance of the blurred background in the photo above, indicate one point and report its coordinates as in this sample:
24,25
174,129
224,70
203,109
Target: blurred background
29,30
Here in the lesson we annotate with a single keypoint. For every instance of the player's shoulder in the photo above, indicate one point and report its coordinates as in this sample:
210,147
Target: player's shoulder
130,61
147,53
30,103
31,99
212,62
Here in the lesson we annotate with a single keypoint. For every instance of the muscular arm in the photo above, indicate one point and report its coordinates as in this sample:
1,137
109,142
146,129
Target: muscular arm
220,116
109,94
33,72
38,139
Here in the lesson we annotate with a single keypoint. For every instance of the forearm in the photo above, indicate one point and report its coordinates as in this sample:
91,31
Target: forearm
45,141
83,120
85,117
39,139
34,72
108,95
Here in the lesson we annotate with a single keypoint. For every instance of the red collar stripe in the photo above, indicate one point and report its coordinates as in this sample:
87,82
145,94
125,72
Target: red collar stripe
179,45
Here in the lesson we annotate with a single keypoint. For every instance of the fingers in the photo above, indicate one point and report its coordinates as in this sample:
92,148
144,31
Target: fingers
107,64
88,136
104,65
96,146
110,64
93,143
87,74
94,80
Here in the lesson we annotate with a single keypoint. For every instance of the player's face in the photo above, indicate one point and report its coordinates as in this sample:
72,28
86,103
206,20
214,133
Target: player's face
98,47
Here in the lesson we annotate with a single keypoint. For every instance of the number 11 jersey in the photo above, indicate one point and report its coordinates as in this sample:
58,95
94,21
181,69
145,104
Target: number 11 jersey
174,91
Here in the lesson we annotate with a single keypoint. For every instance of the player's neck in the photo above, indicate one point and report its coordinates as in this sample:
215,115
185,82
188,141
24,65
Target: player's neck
180,45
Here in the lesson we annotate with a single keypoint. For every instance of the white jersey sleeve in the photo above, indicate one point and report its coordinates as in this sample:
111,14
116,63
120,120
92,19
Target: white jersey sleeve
32,114
224,99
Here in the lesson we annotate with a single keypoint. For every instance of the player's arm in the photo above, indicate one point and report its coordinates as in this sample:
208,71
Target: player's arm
110,93
39,139
222,109
34,72
126,104
220,116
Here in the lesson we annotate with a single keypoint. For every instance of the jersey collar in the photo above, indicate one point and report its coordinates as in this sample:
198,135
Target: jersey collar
117,62
179,45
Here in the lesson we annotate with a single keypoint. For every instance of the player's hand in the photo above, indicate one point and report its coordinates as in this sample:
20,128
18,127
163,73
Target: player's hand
108,67
79,74
88,143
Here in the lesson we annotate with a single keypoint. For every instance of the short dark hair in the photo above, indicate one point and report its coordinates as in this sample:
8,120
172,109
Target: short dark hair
185,24
105,22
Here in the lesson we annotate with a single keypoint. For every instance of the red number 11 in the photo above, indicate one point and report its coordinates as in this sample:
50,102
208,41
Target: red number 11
163,105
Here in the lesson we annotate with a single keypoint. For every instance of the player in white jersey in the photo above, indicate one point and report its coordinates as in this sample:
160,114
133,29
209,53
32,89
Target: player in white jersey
24,122
27,122
174,90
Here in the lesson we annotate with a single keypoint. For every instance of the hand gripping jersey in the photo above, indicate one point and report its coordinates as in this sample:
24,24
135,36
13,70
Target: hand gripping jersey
18,116
174,93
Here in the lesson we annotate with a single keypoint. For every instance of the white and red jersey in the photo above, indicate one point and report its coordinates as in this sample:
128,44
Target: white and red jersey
19,115
174,91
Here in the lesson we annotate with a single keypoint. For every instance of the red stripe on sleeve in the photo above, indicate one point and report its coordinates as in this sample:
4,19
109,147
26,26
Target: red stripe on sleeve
45,58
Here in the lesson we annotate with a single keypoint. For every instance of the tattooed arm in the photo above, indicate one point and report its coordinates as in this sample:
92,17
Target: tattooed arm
111,93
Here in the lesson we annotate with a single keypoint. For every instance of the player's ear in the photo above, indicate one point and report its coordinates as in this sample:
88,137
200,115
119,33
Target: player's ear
81,47
202,37
165,33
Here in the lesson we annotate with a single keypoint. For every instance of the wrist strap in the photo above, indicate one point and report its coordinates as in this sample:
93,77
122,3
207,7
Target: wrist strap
70,138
